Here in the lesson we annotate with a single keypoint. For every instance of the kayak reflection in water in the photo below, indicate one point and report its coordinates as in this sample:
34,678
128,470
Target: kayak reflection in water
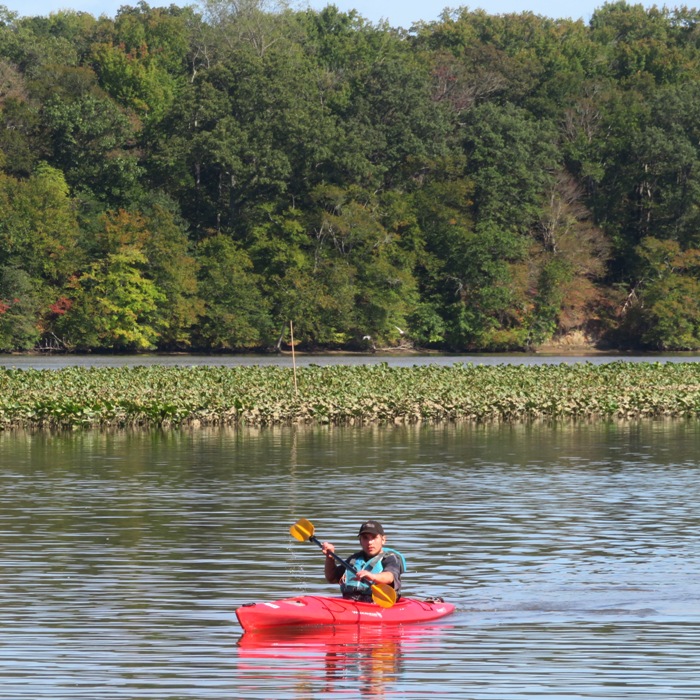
371,665
375,564
356,660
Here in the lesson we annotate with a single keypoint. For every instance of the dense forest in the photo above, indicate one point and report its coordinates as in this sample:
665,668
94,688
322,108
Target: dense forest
196,178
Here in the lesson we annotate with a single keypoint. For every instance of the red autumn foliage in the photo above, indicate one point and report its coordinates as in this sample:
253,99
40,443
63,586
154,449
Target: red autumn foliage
61,306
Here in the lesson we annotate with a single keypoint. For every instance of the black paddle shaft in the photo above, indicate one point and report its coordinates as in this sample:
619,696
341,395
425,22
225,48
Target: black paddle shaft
344,563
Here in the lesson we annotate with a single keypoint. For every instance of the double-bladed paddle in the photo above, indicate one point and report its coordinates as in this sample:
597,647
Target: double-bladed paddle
382,593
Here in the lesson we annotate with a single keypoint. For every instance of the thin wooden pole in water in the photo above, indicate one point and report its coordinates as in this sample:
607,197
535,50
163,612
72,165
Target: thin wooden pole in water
294,362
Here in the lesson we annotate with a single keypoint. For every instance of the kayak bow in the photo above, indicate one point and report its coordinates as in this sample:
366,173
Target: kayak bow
311,610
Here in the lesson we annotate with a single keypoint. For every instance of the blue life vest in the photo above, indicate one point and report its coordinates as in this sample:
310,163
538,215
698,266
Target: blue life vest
349,585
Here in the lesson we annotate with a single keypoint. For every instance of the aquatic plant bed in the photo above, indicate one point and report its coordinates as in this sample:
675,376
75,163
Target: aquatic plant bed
340,395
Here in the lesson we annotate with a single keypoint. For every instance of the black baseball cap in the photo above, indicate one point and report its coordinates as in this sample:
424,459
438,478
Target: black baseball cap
371,526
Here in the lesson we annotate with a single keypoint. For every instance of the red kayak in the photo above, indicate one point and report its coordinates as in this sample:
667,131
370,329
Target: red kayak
309,610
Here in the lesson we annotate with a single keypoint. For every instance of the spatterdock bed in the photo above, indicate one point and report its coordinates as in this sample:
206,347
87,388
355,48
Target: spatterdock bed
159,396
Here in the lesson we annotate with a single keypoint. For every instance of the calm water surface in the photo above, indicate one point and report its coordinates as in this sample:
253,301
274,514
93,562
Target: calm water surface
572,555
39,361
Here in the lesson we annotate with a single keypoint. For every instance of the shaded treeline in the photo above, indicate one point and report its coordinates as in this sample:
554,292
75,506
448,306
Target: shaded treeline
197,177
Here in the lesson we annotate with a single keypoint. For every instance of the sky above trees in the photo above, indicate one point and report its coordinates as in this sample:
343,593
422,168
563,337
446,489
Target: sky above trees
399,13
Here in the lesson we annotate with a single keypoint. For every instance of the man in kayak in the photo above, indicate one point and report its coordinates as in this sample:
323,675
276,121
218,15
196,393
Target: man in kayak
374,564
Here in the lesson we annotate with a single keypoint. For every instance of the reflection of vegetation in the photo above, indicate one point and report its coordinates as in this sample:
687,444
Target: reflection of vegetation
341,395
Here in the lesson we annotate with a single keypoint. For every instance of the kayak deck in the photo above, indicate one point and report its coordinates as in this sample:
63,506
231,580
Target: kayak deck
321,610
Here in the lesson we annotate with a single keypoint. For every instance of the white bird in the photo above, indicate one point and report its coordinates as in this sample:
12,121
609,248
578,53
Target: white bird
366,337
399,330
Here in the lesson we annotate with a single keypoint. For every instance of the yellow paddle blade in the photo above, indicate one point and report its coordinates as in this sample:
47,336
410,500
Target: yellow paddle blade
302,530
383,595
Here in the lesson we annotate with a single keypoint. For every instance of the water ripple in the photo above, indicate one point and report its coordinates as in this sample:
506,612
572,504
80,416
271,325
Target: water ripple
571,555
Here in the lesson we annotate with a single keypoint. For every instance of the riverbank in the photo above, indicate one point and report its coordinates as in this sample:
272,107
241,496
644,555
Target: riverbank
163,397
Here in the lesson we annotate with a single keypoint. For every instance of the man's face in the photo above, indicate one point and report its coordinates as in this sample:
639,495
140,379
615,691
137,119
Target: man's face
372,544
